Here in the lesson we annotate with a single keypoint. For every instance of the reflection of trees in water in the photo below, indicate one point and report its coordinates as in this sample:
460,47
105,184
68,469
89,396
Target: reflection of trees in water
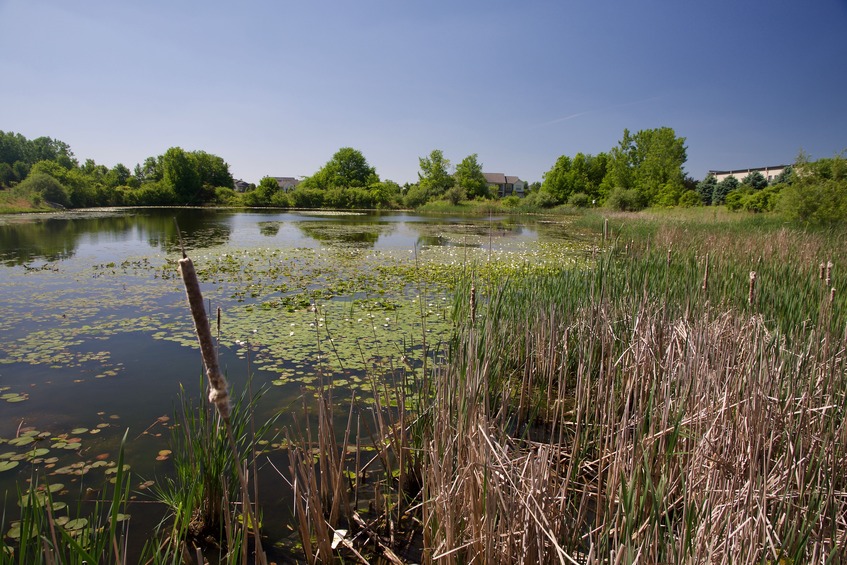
466,233
269,229
199,228
24,240
345,233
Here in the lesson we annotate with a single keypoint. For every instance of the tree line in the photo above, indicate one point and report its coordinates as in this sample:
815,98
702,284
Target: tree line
645,168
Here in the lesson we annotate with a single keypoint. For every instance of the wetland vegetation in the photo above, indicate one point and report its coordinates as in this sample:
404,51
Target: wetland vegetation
634,388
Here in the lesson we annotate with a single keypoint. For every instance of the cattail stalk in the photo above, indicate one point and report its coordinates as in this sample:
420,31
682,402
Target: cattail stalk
752,292
218,393
706,275
473,303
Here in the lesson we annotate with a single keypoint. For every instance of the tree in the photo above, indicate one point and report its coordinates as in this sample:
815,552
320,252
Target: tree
118,176
818,193
581,175
347,168
558,181
150,170
212,170
434,177
180,173
47,187
723,188
706,188
264,193
755,180
7,175
650,161
470,179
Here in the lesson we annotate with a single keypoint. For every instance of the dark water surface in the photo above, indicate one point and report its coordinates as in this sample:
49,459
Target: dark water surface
95,333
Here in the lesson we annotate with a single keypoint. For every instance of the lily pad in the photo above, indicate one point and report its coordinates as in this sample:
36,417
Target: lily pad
76,524
8,465
23,440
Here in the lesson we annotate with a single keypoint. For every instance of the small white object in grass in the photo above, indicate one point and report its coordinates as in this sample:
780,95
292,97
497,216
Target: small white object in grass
338,537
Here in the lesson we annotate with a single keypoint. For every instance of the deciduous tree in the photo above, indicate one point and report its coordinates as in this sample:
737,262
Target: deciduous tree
470,179
434,177
347,168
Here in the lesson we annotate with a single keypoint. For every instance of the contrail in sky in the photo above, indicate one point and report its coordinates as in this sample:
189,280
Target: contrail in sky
578,114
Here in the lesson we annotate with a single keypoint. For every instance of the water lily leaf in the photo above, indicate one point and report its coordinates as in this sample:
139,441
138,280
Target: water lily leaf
8,465
78,431
23,440
76,524
37,452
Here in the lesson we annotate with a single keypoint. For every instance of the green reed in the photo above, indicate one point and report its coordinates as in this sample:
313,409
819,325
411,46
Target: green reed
48,532
624,413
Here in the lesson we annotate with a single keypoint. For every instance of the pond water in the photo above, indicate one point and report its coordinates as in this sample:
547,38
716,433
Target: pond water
97,338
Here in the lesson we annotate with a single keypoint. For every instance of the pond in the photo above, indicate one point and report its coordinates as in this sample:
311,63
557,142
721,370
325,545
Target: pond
97,338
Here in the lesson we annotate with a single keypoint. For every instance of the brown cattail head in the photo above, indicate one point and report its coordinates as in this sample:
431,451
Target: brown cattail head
822,271
831,295
752,292
669,257
828,273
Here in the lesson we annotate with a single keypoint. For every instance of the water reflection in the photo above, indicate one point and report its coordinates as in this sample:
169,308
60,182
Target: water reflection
199,228
269,229
345,233
33,240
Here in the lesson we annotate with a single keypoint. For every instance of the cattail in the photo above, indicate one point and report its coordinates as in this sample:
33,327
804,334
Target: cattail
473,302
752,290
831,295
828,273
706,275
218,394
822,271
669,257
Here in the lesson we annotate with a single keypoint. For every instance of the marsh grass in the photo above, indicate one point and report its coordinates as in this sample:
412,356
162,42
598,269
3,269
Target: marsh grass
624,414
203,494
48,532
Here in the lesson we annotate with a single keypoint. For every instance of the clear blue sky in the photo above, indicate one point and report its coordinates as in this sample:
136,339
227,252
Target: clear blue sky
275,87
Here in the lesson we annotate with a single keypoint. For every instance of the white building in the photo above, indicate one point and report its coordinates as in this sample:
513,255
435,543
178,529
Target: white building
769,173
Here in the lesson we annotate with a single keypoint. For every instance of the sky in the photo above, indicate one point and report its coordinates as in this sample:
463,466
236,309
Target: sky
276,87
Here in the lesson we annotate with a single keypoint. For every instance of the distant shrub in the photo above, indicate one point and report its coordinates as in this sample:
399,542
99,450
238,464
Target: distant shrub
625,200
579,200
511,201
416,196
46,187
689,199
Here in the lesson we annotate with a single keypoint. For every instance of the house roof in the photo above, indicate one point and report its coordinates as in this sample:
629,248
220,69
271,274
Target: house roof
500,178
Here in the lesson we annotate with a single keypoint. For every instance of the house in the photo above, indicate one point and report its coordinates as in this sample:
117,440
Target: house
286,183
505,185
241,186
769,173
